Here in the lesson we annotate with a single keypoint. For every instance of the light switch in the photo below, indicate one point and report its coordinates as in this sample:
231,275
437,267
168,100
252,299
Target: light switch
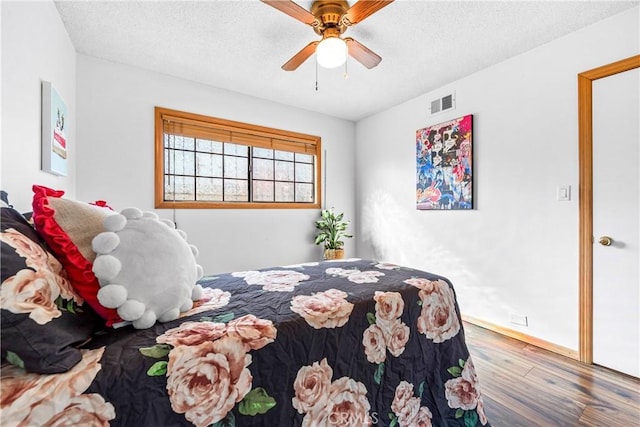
564,193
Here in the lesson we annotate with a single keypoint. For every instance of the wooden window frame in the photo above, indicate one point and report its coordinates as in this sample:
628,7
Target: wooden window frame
235,132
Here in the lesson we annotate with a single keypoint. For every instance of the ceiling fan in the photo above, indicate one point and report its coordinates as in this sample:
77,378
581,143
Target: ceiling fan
330,19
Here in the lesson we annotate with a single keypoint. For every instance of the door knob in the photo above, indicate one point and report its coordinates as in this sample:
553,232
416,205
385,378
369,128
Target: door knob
605,241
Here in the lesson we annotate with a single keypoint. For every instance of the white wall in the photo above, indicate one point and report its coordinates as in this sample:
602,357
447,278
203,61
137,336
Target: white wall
116,130
35,47
517,251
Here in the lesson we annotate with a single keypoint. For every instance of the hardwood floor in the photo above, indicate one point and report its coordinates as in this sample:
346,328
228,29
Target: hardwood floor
526,386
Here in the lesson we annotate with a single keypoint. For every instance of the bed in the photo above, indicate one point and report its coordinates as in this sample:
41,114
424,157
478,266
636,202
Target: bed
347,342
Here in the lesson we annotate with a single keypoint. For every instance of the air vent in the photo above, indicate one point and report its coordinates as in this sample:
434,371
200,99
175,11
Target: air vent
435,106
445,103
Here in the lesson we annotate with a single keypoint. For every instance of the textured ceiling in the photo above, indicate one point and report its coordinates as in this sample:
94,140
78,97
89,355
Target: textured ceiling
240,45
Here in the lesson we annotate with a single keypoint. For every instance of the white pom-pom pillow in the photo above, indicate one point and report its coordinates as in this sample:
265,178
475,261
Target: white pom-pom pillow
146,268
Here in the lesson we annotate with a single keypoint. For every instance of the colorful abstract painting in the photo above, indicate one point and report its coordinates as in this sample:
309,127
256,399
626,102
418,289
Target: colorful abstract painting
444,173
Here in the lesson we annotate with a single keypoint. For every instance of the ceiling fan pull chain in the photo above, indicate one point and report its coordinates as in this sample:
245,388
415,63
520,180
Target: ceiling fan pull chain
346,73
316,76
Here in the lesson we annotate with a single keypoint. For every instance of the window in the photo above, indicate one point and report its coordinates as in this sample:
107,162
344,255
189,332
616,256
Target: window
206,162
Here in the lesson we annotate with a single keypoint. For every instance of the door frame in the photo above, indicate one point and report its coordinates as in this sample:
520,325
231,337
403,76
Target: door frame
585,170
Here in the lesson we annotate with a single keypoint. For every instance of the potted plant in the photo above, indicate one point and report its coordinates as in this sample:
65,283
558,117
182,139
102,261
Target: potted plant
331,230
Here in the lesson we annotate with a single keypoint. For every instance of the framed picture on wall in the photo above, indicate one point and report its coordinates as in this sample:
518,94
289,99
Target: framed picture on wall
54,131
444,171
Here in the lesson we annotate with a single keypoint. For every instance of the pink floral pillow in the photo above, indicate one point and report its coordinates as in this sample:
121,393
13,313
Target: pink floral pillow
68,227
43,317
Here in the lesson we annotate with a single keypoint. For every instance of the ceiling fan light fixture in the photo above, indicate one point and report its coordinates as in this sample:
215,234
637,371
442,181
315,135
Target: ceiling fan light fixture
331,52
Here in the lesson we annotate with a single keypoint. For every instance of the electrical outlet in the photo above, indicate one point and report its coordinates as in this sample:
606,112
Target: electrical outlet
518,319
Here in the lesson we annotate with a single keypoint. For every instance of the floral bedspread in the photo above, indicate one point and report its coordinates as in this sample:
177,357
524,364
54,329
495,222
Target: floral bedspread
334,343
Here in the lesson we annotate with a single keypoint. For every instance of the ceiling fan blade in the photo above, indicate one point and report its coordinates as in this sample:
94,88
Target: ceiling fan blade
300,57
362,54
363,9
294,10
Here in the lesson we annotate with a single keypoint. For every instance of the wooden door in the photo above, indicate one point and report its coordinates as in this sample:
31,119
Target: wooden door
609,296
616,222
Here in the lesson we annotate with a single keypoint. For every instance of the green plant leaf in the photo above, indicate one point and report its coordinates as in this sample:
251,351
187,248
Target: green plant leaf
470,418
421,389
455,371
14,359
459,413
371,318
157,351
394,421
419,302
224,318
461,363
228,421
206,319
157,369
71,307
320,238
257,401
377,377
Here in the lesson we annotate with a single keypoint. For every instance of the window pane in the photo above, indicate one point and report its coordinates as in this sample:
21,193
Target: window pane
182,142
262,169
184,188
284,171
180,162
284,192
238,150
263,191
304,158
236,190
209,165
263,153
167,164
236,167
209,146
209,189
284,155
304,193
168,187
185,143
304,172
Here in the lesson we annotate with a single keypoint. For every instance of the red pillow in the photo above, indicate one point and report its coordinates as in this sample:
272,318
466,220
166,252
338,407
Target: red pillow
68,227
